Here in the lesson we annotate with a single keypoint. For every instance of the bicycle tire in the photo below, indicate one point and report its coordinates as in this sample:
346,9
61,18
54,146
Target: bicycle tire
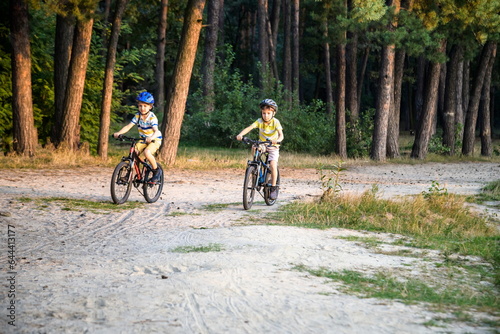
121,182
152,191
267,190
249,186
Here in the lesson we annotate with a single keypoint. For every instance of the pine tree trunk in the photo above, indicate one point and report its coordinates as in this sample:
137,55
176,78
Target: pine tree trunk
340,124
328,77
70,128
485,121
473,109
287,50
179,86
208,63
394,116
295,47
420,86
263,42
362,72
160,58
352,77
429,110
450,101
65,32
384,101
25,136
459,116
102,146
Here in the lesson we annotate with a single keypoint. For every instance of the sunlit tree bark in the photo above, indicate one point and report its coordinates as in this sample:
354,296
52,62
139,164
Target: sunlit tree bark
25,136
179,86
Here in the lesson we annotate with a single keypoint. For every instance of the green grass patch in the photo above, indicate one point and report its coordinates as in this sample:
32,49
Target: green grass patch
218,206
385,286
490,192
213,247
72,204
436,222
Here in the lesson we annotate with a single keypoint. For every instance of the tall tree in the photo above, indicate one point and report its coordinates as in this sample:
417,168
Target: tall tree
352,71
340,119
102,147
385,95
25,136
179,86
395,111
326,61
263,41
70,127
287,49
425,125
208,65
485,120
295,21
160,57
65,32
473,108
450,100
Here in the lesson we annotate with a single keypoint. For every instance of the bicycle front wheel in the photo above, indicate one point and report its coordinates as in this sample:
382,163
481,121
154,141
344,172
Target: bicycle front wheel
249,186
121,182
152,190
267,190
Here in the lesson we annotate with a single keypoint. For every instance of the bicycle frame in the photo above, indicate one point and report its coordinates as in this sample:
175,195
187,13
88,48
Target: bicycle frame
257,175
138,173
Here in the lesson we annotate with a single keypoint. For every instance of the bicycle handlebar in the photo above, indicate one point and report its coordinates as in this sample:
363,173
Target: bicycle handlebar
256,142
123,137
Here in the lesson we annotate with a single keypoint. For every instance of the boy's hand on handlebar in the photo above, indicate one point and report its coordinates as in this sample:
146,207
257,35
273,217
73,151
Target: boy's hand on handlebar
239,137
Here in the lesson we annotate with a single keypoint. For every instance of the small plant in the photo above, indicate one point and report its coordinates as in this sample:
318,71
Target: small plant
330,179
435,190
198,249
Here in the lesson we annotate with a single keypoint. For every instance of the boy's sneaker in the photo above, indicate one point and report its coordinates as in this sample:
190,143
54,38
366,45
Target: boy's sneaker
156,175
273,192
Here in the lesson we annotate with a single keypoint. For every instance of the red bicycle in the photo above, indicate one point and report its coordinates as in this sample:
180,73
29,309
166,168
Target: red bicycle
134,171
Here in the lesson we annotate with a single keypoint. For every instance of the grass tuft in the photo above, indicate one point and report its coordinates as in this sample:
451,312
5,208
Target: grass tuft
439,222
198,249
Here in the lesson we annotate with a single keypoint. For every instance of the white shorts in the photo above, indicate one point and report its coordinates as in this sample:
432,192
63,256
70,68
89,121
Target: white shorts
274,153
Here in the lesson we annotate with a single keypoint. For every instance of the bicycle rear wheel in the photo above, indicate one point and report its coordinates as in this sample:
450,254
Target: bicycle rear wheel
267,190
152,191
249,186
121,182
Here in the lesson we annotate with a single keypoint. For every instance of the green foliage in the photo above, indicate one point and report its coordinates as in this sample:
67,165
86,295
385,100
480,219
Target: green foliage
330,179
359,135
306,128
435,190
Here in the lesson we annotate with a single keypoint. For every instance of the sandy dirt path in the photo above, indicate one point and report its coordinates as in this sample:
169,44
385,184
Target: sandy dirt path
79,271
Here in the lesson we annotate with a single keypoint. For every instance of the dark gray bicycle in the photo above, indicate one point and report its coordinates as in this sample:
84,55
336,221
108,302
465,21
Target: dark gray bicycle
258,175
133,171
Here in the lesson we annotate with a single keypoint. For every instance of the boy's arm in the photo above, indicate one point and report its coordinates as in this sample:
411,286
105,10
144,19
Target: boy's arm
123,130
245,131
280,137
155,135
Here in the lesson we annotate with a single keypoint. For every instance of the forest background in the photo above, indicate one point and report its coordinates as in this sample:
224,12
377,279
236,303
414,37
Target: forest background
349,76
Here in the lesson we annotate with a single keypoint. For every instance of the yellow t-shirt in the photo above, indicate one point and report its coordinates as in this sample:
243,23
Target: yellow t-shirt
268,131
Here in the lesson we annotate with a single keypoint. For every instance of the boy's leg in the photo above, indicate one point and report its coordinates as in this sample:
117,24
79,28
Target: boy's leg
273,162
149,154
274,172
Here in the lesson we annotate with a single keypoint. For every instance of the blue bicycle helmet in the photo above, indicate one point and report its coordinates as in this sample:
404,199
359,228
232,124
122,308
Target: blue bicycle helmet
146,98
269,103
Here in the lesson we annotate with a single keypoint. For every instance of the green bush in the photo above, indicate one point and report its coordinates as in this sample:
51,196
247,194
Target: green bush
306,128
